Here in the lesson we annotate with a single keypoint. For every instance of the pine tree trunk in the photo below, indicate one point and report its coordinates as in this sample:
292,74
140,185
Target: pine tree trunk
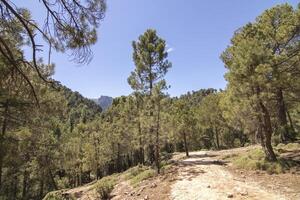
217,138
52,179
141,151
185,145
25,179
152,120
290,120
3,132
80,175
270,155
282,118
118,158
260,136
15,186
41,193
157,157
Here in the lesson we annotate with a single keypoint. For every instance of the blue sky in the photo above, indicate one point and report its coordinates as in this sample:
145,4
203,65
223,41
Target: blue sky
197,31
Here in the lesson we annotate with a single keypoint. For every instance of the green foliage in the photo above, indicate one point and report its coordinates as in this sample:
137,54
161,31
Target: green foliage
287,147
58,195
139,173
105,185
142,176
262,65
66,141
254,159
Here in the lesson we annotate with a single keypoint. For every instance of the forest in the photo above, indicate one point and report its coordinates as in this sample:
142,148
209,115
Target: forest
53,138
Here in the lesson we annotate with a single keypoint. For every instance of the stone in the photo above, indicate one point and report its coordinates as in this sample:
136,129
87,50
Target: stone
229,195
153,185
244,193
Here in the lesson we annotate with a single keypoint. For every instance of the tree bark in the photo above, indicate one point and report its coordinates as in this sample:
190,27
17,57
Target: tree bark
15,186
282,118
25,179
141,150
270,155
41,192
152,120
157,156
3,132
290,120
260,136
185,145
119,167
217,138
52,179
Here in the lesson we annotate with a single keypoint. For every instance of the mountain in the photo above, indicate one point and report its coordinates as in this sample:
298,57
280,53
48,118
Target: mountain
104,102
77,102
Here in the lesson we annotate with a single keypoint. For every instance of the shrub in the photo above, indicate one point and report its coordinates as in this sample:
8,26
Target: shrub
255,160
142,176
62,182
105,185
139,173
165,168
282,148
134,171
57,195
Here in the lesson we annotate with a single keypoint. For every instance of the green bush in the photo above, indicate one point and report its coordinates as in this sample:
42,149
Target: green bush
282,148
139,173
165,168
62,182
134,171
105,185
142,176
57,195
255,160
292,146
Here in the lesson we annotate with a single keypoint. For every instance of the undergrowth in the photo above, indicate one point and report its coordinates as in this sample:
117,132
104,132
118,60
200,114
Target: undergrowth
137,174
255,159
58,195
105,185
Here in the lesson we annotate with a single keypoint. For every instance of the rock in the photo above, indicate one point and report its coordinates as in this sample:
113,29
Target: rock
153,185
208,186
142,189
293,171
229,195
244,193
146,197
132,193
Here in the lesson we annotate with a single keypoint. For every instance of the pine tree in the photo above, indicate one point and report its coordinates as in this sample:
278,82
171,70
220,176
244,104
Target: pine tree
151,65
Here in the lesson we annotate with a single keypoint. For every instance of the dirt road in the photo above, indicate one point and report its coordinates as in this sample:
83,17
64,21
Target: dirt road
203,176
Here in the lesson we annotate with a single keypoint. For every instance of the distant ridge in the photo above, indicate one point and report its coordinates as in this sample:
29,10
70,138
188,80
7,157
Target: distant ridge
104,102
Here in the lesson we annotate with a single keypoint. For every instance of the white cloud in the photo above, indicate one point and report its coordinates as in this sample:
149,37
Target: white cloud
170,50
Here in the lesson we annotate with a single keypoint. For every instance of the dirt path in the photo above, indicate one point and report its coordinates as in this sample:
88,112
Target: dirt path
203,176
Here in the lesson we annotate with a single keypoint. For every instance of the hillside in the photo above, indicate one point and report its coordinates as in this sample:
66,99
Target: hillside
151,141
206,175
104,102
